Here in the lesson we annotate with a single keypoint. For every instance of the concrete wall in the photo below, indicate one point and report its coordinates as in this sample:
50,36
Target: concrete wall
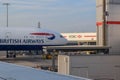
94,67
99,20
63,66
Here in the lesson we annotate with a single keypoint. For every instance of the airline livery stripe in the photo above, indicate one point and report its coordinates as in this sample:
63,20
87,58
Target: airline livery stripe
47,34
108,22
51,36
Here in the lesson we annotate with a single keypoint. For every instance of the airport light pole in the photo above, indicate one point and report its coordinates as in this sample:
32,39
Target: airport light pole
7,4
38,24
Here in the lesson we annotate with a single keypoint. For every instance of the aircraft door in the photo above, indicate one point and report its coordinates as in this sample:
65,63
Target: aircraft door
46,39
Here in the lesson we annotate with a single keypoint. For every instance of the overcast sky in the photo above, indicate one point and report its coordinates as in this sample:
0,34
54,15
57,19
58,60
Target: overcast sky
58,15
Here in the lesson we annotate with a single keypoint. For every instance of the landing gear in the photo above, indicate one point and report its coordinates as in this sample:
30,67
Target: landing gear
10,54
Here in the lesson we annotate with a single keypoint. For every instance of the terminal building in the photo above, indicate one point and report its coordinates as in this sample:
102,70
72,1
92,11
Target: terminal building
95,66
80,38
100,66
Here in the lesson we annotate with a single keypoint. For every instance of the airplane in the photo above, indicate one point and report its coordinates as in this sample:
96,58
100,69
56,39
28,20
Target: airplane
28,38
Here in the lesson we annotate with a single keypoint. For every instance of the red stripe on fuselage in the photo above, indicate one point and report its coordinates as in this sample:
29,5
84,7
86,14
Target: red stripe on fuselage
46,34
108,22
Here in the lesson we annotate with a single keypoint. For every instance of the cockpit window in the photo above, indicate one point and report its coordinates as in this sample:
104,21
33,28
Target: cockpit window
61,36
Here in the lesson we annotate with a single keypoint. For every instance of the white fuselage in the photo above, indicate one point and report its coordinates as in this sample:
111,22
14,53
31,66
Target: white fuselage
21,37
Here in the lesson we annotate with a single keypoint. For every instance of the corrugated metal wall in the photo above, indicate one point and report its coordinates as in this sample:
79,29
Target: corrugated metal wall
112,24
99,67
114,29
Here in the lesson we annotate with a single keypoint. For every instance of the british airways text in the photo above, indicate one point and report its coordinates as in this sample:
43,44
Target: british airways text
18,41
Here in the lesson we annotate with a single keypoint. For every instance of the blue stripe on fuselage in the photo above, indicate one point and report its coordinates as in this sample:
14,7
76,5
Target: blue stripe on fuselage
20,47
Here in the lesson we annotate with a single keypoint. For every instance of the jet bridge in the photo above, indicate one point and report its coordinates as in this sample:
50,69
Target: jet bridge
97,49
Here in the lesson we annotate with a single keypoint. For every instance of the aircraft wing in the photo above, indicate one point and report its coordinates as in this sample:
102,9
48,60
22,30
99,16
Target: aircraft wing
10,71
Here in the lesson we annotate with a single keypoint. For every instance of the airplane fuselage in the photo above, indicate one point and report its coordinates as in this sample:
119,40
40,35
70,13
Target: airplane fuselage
28,39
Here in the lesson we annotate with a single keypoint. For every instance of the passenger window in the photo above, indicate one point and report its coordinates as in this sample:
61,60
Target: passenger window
37,37
25,36
32,37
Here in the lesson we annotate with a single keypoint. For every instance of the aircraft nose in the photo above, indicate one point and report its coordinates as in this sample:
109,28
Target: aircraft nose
64,41
61,40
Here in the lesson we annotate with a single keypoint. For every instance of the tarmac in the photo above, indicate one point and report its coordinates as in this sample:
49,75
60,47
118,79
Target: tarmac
34,61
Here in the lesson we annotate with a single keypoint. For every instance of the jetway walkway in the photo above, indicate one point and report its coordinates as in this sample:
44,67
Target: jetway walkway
95,48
